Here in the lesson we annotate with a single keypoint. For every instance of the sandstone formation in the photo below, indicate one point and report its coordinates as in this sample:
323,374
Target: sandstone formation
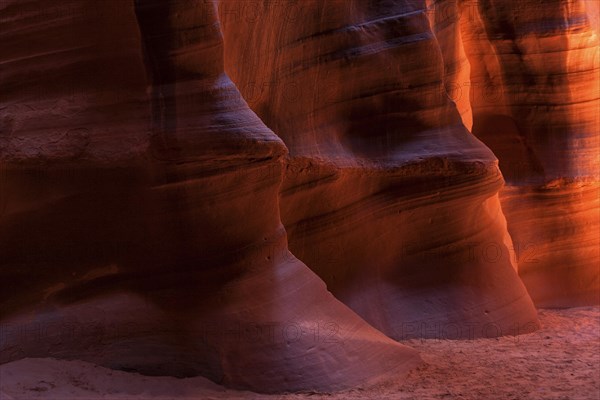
157,155
139,209
387,195
536,103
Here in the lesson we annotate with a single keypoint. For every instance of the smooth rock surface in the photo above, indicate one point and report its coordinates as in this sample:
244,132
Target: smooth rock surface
140,223
387,195
535,79
146,199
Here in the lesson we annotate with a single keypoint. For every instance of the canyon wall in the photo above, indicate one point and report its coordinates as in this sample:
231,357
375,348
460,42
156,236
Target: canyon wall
386,195
432,164
140,226
535,95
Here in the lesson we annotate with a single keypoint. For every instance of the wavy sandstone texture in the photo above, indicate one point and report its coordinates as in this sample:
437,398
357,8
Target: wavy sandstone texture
536,104
145,208
139,209
387,195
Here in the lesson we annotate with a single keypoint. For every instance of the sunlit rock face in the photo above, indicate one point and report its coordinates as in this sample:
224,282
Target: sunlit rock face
444,18
535,100
146,199
139,219
387,195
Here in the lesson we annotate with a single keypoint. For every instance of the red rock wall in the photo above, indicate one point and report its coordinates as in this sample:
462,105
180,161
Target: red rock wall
537,105
387,195
140,220
146,198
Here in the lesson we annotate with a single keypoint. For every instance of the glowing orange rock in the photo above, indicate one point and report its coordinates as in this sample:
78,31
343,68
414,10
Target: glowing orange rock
538,108
387,195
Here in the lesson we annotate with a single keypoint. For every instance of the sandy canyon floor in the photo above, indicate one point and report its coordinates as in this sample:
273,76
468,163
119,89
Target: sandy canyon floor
560,361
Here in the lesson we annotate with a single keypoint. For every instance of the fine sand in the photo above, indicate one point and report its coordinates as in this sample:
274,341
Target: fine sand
560,361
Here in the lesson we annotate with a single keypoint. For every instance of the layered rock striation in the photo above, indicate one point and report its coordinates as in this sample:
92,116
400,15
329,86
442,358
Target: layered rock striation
536,103
147,198
140,224
387,195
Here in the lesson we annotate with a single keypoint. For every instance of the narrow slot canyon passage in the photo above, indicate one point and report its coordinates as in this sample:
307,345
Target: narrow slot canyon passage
342,199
